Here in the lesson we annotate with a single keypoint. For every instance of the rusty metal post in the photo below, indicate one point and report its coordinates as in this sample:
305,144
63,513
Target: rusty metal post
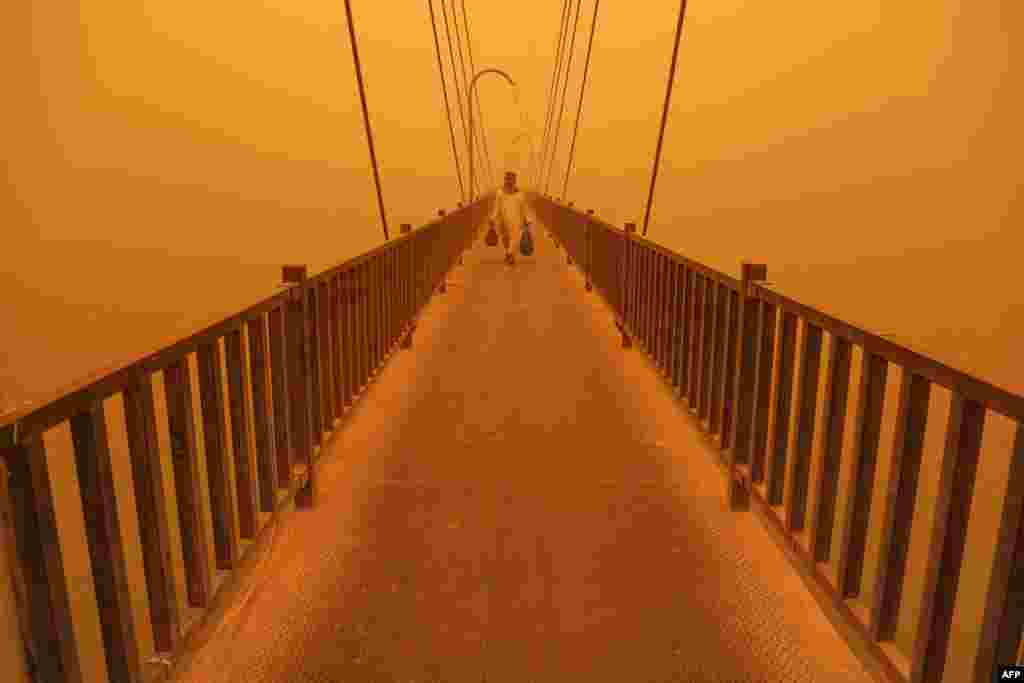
300,378
743,388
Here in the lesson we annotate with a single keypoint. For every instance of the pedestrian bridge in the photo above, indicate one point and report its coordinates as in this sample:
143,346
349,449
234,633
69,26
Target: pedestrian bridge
607,462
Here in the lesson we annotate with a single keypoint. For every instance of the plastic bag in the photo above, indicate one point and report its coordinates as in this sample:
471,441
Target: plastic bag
526,242
492,237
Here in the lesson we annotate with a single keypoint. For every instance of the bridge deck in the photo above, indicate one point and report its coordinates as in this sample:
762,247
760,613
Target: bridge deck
519,499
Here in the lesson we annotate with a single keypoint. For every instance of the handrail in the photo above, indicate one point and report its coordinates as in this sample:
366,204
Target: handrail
258,395
729,348
38,415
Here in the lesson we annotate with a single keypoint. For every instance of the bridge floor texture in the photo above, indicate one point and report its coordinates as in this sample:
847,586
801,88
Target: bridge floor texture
518,499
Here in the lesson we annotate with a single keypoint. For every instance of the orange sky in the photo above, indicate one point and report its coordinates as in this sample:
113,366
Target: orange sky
870,143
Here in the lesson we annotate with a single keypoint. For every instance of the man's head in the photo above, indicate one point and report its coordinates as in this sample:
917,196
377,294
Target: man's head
510,181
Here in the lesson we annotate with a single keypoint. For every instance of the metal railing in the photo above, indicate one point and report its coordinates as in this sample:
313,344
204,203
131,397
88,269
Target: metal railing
729,347
251,400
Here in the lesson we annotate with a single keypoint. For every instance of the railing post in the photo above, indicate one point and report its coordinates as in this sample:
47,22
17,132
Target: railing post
52,640
588,246
300,379
16,646
743,393
437,256
408,325
629,230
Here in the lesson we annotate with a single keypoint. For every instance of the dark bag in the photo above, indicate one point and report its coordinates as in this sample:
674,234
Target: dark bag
526,243
492,237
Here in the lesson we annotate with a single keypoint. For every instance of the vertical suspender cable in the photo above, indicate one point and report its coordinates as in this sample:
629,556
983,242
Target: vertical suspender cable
479,110
565,90
455,77
447,108
579,107
465,82
366,114
559,61
664,113
547,111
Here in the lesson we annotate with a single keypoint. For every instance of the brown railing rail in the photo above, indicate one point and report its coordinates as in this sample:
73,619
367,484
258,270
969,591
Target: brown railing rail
251,400
729,347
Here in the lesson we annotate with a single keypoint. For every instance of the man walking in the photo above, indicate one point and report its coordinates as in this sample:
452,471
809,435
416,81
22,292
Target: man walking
509,213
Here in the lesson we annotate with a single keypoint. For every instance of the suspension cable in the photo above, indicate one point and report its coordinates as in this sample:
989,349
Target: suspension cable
579,107
551,92
479,110
466,84
366,115
664,113
565,90
455,78
559,62
447,108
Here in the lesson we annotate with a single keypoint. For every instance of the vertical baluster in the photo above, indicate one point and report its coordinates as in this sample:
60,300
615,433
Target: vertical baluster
55,649
779,431
588,237
669,347
1002,624
192,521
948,535
336,321
665,315
649,295
662,316
726,386
406,281
359,319
241,424
632,272
761,407
211,391
17,650
867,432
382,309
300,372
279,365
711,322
366,324
347,294
375,309
719,346
326,334
833,423
696,340
680,372
385,260
802,436
316,397
628,285
898,505
262,413
747,342
94,466
395,294
151,506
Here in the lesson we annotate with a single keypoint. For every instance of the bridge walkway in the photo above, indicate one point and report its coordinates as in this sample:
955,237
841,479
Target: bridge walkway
520,500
